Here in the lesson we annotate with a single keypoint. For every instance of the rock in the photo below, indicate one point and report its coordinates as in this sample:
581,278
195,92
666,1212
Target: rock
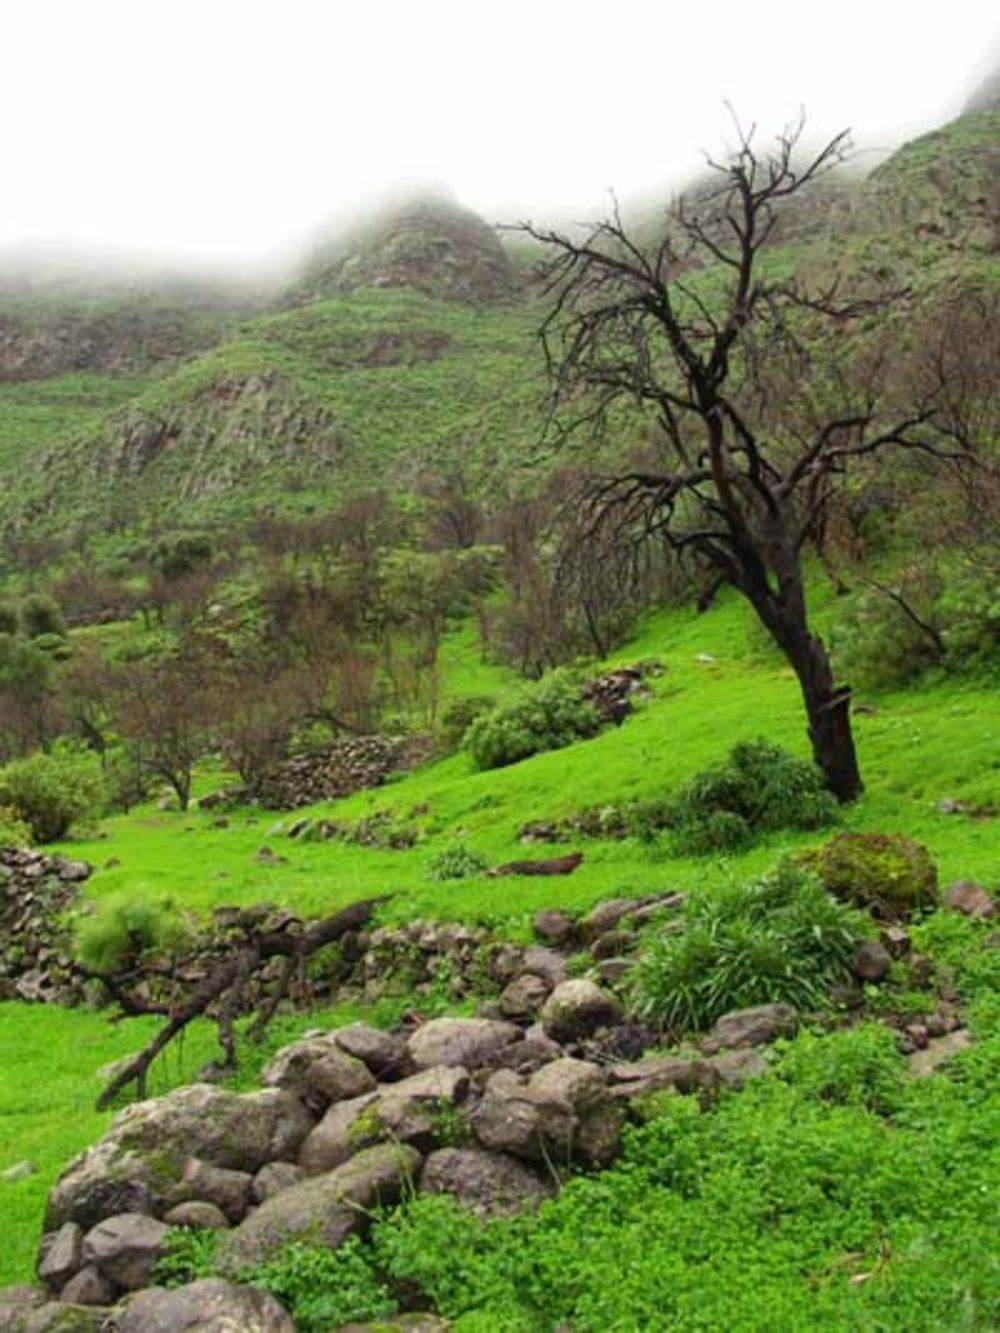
734,1068
198,1215
324,1210
459,1041
72,872
88,1287
129,1170
524,1057
289,1067
60,1256
554,926
576,1009
228,1191
125,1248
383,1052
605,916
752,1027
58,1317
211,1305
970,898
344,1129
523,998
338,1076
613,944
871,962
611,970
487,1183
895,940
642,1077
19,1171
545,963
562,1112
274,1178
936,1051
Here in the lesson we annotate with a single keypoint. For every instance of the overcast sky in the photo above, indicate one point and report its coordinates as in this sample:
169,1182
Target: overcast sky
228,127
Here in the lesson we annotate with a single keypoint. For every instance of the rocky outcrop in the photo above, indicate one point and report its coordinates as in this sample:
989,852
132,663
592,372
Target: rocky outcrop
35,961
355,763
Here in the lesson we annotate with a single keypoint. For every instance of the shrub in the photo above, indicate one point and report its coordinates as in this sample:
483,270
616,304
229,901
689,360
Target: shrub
759,788
125,926
41,616
889,872
322,1288
547,715
53,792
878,645
778,937
457,862
8,618
459,715
188,1254
14,832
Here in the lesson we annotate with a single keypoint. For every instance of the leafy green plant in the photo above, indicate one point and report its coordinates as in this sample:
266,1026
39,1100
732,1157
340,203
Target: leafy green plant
53,792
14,831
124,926
546,715
457,862
759,788
459,715
188,1254
778,937
323,1288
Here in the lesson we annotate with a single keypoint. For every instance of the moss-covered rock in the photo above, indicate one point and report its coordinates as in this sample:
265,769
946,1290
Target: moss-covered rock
888,872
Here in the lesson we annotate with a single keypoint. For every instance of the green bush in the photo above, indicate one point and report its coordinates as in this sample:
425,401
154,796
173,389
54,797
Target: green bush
759,788
322,1288
188,1255
54,792
547,715
778,937
457,862
41,616
459,715
889,872
125,926
14,831
878,645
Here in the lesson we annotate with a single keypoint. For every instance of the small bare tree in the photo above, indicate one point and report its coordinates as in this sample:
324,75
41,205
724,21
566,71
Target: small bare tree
761,402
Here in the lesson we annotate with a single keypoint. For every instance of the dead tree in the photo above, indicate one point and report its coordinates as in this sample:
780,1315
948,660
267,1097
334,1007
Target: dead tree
760,401
224,991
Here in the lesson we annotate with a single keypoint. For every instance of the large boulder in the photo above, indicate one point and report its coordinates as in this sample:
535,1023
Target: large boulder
209,1306
487,1183
324,1210
137,1166
563,1112
460,1041
125,1249
346,1128
639,1078
576,1009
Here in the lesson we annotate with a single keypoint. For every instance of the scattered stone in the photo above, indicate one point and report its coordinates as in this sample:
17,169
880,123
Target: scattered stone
752,1027
936,1051
642,1077
125,1248
460,1041
383,1052
734,1068
895,940
613,944
611,970
542,962
211,1305
267,857
322,1211
274,1178
228,1191
19,1171
559,865
554,926
88,1287
60,1255
971,899
871,962
523,998
197,1215
605,916
341,1132
576,1009
489,1184
338,1076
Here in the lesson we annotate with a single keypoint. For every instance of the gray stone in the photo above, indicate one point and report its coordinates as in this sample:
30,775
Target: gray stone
936,1051
60,1256
526,1056
605,916
735,1068
871,961
642,1077
576,1009
229,1191
524,997
197,1215
88,1287
460,1041
19,1171
211,1305
752,1027
58,1317
289,1067
544,963
324,1210
274,1178
487,1183
130,1168
970,898
383,1052
345,1128
563,1112
125,1248
613,944
338,1076
554,926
